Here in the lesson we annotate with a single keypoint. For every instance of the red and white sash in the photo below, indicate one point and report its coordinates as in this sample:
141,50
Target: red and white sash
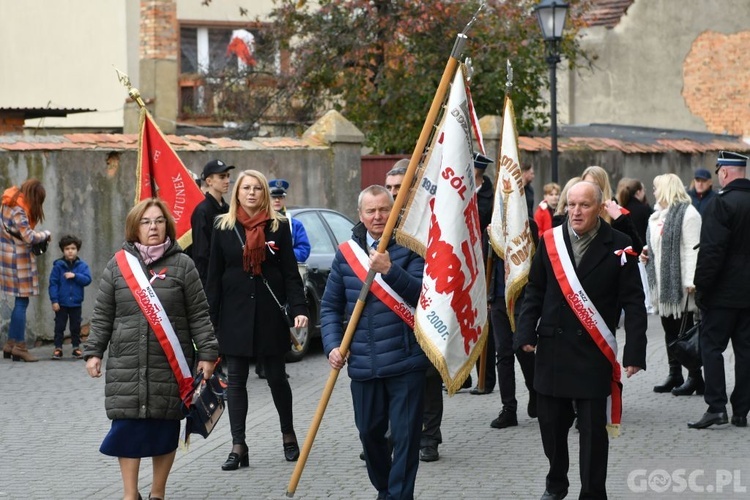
359,260
150,305
589,317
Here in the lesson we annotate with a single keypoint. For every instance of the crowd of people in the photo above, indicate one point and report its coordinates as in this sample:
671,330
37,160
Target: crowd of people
163,315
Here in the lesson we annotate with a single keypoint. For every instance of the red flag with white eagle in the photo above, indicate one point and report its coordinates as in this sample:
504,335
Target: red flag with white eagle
161,174
441,223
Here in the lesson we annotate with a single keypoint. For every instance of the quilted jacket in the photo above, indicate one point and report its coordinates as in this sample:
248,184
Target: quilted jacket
139,382
383,345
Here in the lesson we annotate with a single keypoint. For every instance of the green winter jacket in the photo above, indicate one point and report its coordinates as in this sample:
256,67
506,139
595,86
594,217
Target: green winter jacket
139,382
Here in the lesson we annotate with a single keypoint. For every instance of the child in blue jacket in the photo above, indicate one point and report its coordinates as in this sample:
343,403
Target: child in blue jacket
69,275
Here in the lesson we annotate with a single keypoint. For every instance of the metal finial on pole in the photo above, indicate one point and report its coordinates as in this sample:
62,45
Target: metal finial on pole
132,91
509,81
473,18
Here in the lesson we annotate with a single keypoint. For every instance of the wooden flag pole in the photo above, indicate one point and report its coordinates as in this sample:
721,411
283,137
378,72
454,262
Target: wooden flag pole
437,103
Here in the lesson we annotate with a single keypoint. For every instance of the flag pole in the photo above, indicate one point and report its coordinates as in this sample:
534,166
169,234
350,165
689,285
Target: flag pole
437,103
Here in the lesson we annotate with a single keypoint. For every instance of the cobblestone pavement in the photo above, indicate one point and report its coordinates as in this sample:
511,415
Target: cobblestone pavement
52,421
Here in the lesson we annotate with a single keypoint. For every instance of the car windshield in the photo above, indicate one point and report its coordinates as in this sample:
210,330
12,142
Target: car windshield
320,242
341,226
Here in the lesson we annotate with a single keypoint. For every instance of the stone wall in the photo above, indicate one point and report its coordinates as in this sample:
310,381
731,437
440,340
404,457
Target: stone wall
91,189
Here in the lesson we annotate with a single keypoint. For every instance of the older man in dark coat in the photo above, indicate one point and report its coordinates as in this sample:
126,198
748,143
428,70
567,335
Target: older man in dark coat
722,287
575,349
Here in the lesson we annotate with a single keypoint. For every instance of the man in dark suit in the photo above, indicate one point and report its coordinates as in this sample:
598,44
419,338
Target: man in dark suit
722,285
576,351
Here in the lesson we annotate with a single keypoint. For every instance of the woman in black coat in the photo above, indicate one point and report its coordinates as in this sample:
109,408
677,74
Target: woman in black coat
251,262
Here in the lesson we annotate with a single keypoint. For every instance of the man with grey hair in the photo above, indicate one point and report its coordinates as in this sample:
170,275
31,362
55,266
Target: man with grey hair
386,364
582,276
395,176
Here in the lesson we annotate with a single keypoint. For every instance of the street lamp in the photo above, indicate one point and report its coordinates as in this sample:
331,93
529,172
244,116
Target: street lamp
551,15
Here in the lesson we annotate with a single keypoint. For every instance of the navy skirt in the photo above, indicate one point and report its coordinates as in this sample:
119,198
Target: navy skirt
143,437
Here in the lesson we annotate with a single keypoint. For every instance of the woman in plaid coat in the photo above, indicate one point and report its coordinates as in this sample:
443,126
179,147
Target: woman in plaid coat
21,211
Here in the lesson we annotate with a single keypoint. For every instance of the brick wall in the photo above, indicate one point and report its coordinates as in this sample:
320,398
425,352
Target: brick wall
158,37
717,82
11,124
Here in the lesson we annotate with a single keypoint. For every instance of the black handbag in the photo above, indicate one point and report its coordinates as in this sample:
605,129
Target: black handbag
686,348
285,310
205,404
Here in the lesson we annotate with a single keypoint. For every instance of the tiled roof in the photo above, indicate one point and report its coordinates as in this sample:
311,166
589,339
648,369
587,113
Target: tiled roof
594,137
130,141
604,12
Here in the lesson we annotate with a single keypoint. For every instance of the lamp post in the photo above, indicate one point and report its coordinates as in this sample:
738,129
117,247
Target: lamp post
552,15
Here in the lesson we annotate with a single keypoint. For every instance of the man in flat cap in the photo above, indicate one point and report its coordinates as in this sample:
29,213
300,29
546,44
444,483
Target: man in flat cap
215,176
703,191
722,288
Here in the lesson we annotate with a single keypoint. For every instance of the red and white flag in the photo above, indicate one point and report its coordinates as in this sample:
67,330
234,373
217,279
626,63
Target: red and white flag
441,222
161,174
510,233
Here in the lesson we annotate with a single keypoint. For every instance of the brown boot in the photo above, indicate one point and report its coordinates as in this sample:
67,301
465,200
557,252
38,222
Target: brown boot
20,353
8,348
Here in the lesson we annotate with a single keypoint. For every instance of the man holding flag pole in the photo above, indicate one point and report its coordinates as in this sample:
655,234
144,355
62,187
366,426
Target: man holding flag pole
472,319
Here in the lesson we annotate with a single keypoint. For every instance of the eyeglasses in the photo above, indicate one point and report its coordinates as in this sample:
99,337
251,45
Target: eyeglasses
157,222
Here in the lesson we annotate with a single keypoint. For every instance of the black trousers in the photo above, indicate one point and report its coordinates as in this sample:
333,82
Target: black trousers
506,359
433,409
238,368
489,352
61,319
718,327
556,416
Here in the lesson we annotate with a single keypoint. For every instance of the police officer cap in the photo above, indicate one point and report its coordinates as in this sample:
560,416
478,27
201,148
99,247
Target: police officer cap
278,187
481,162
730,159
703,174
215,167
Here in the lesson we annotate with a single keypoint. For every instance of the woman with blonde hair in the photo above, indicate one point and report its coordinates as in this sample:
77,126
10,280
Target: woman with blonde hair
615,215
251,270
673,233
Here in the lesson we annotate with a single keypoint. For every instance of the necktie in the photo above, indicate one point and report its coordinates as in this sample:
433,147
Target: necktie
375,245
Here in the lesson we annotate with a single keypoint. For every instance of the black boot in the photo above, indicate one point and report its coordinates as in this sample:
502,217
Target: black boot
673,380
693,384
